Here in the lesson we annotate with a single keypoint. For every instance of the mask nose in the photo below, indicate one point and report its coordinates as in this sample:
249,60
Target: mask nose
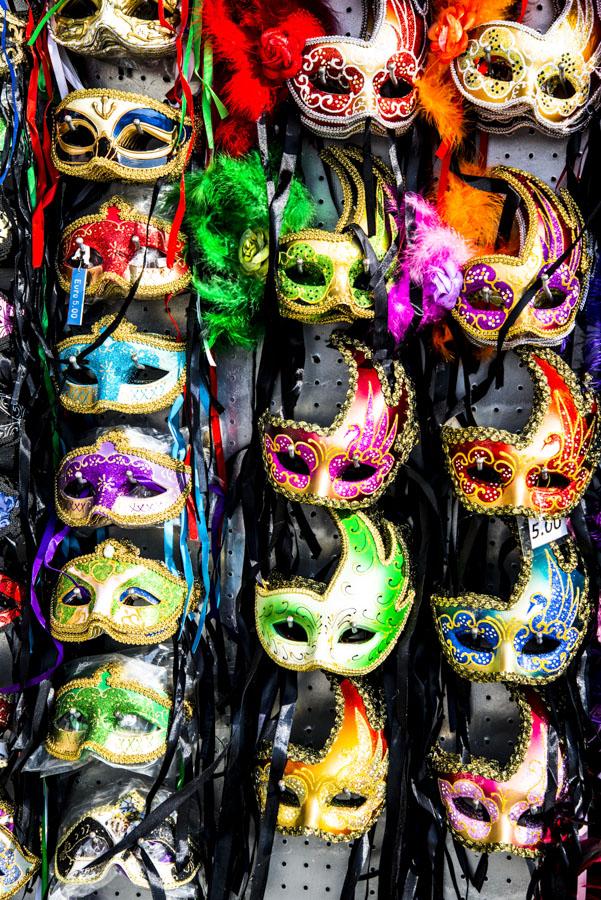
103,147
517,494
506,657
102,603
311,812
321,483
323,654
105,496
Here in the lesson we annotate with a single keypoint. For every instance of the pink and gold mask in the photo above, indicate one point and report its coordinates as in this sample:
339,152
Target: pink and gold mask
545,469
349,464
338,793
513,74
344,81
494,284
493,808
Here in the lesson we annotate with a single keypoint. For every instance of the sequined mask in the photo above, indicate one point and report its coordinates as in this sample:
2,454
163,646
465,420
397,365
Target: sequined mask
322,275
109,28
534,637
130,372
115,482
337,793
12,595
514,75
17,864
494,284
345,81
353,461
118,245
118,719
545,469
492,808
115,591
350,625
12,35
102,134
103,827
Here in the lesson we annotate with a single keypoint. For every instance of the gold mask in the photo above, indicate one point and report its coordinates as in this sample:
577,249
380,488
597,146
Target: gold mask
13,29
336,793
514,74
105,28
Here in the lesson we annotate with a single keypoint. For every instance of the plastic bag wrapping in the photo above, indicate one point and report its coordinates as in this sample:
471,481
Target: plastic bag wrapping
94,824
115,708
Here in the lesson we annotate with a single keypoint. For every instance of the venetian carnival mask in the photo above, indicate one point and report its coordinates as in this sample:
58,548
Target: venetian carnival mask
323,276
350,625
17,864
534,637
111,714
117,482
543,470
337,793
130,372
118,245
513,74
102,134
12,35
117,592
490,807
344,82
494,284
108,28
353,461
102,827
11,600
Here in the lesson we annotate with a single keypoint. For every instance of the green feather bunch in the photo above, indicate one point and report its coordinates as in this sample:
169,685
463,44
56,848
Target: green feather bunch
227,225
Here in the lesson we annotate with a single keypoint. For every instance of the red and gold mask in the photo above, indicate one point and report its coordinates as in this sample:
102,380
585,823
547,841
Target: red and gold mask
544,470
349,464
337,793
492,808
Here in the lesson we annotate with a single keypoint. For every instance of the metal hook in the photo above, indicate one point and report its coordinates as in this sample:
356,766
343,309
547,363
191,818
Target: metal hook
561,70
487,54
479,464
136,362
291,453
300,264
138,126
69,122
73,362
392,75
546,289
366,265
290,621
79,477
130,477
355,460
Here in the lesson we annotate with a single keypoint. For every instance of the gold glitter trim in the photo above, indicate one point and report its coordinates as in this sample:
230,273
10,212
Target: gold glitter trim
29,857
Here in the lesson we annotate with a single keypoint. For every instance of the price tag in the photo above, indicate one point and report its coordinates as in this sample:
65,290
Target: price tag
77,297
543,531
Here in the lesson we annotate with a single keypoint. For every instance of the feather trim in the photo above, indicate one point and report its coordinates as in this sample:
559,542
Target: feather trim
475,214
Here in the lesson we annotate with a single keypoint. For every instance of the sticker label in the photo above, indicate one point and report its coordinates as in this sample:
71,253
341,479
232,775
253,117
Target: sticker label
543,531
77,297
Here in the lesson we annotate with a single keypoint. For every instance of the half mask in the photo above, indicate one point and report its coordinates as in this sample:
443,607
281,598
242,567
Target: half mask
337,793
324,276
109,28
349,625
17,864
112,246
102,134
117,592
493,284
543,470
345,81
129,372
491,807
116,482
350,463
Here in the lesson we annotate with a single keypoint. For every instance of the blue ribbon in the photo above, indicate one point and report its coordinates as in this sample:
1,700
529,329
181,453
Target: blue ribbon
13,87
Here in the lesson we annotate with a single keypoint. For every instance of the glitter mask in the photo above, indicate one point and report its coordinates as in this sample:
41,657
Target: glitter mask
130,372
107,28
17,864
353,461
113,482
534,637
350,625
111,246
12,35
545,469
118,719
323,276
115,591
103,827
344,81
9,508
513,74
494,284
339,792
493,808
102,134
12,595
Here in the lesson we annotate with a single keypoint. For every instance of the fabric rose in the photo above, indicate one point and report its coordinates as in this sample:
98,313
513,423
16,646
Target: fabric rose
441,287
280,55
448,35
253,252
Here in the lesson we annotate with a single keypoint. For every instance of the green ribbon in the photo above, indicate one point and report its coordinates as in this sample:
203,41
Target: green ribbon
42,22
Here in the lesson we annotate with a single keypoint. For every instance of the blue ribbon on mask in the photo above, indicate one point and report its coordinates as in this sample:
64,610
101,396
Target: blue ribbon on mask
13,87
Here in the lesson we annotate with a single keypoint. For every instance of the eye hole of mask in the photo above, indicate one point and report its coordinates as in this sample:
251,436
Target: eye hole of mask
475,641
160,851
348,800
355,636
95,260
361,281
81,375
391,91
291,631
146,375
356,473
329,84
80,136
485,299
534,647
543,301
531,818
134,722
551,480
136,489
149,257
473,809
295,464
77,596
307,275
146,11
78,488
72,720
558,89
289,798
487,474
90,847
498,69
135,596
78,9
140,141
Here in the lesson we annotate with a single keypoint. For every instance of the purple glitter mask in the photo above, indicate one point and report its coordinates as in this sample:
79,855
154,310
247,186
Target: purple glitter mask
114,482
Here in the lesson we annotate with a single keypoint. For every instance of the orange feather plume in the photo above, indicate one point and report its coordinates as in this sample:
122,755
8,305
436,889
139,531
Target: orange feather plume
473,213
440,103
